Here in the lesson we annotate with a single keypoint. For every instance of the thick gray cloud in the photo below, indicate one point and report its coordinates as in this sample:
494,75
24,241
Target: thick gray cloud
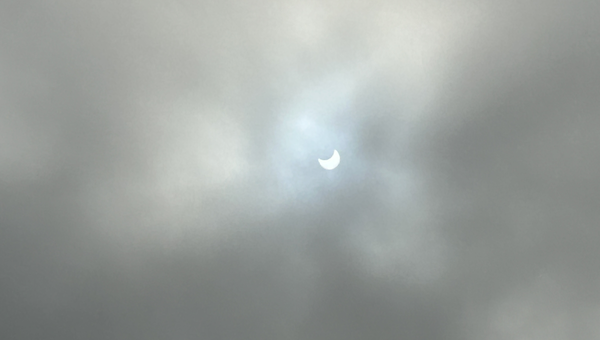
159,175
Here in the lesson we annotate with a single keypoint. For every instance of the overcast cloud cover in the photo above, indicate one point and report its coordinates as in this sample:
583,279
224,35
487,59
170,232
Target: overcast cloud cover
159,174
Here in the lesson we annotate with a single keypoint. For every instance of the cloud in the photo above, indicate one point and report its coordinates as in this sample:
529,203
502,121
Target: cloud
159,174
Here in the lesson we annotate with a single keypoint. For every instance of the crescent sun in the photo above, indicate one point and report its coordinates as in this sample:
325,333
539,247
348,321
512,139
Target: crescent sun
331,163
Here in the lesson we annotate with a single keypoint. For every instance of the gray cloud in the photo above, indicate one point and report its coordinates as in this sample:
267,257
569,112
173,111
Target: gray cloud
158,173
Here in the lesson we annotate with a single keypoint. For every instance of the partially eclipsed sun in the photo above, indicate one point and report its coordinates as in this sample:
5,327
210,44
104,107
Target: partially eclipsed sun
331,163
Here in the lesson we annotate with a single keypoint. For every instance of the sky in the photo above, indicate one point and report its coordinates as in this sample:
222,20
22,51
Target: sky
159,175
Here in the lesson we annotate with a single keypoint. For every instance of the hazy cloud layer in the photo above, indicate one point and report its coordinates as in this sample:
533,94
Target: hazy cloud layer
159,174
